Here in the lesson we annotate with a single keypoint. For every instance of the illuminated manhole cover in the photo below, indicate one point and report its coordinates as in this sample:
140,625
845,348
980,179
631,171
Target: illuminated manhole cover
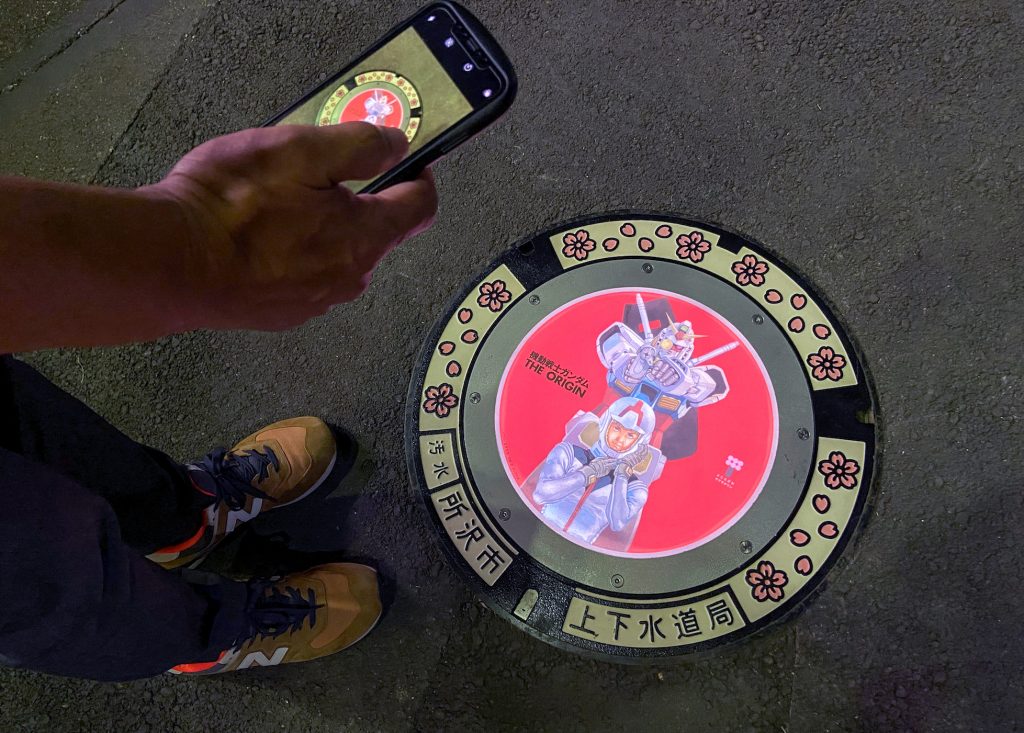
640,436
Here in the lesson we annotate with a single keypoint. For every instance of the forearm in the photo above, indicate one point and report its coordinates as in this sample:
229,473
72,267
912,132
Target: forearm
89,266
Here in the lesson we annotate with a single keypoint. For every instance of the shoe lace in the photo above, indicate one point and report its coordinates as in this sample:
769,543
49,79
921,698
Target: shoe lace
232,474
282,610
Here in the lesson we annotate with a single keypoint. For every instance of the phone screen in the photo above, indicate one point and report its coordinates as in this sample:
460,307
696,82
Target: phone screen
422,80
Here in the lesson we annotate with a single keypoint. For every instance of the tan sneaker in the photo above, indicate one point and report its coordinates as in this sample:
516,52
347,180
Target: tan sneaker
301,617
271,468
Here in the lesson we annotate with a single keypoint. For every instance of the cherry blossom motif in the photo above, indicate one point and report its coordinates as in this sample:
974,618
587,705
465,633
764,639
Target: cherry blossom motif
646,244
627,230
692,246
465,315
446,347
803,565
839,471
440,400
610,244
827,364
578,244
767,582
750,271
494,295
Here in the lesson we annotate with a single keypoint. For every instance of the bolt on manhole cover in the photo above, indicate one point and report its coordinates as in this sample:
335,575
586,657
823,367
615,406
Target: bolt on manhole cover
640,436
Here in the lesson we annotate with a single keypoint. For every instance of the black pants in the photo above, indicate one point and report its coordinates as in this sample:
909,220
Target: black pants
80,507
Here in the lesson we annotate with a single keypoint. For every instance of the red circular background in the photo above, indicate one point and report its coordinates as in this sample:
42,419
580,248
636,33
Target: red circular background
355,109
689,504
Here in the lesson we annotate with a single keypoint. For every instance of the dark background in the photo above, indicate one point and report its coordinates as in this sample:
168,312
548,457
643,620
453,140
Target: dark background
876,145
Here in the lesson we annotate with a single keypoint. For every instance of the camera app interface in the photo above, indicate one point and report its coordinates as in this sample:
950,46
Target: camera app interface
409,84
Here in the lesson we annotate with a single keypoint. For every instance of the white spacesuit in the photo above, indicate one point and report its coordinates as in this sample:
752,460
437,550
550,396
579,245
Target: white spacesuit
597,478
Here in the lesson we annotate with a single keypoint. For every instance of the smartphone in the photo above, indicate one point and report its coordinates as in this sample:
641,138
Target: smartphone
440,77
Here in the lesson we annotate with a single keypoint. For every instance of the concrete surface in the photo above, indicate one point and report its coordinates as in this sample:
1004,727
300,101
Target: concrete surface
877,145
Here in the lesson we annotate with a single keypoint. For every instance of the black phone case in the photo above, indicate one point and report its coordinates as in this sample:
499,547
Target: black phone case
454,136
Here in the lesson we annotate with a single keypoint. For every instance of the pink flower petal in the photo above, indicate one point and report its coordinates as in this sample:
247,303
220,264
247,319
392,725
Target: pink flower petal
738,268
815,360
779,578
569,239
848,481
826,353
832,481
486,288
775,593
819,372
760,592
444,390
442,410
839,361
432,392
826,467
754,577
430,405
749,261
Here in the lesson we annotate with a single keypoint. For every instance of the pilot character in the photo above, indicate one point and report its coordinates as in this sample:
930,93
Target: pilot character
598,477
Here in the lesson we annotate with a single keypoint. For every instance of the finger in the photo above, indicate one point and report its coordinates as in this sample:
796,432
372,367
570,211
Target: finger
400,211
323,157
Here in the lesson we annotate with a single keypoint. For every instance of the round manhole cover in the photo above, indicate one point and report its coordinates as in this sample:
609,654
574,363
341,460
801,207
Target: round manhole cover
639,435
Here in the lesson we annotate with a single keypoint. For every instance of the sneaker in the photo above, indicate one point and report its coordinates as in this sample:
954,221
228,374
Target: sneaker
301,617
271,468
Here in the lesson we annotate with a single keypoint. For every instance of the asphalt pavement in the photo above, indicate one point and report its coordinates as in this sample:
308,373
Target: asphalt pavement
876,145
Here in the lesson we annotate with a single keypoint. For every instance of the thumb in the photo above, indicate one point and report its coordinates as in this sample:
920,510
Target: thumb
351,151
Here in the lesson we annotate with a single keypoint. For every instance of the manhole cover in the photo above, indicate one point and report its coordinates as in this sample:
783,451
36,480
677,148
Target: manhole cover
641,436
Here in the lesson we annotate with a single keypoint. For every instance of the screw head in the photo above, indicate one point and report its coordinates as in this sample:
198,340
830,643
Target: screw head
504,515
803,433
534,299
474,398
618,581
758,319
746,547
648,268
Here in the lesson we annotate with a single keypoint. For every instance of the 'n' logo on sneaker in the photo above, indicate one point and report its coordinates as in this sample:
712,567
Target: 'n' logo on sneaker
240,516
261,660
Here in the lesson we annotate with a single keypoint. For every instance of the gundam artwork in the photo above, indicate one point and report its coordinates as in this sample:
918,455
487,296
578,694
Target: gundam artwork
594,483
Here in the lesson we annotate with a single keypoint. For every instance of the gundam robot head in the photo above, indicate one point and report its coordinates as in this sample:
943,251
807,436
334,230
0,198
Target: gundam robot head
677,341
625,427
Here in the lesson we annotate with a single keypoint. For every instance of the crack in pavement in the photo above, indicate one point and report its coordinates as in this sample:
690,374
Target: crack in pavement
21,76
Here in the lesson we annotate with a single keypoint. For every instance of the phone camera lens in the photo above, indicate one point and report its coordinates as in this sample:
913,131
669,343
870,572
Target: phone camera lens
467,67
449,42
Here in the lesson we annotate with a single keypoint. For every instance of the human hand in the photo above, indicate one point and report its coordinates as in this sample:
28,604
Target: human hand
276,239
597,468
628,464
